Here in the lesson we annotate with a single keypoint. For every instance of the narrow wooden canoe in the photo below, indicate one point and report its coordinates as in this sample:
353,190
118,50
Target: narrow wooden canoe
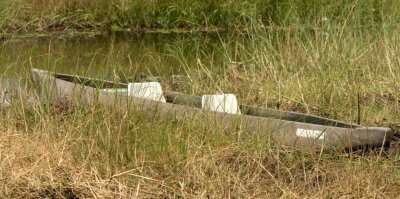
286,128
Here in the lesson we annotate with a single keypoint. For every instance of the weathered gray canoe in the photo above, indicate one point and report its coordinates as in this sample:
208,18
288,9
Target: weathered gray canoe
286,128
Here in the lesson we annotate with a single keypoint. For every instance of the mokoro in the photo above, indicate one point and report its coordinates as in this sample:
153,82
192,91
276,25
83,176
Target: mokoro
286,128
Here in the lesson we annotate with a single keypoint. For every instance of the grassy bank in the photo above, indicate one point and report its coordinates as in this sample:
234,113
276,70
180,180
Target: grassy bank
41,16
67,151
339,60
98,152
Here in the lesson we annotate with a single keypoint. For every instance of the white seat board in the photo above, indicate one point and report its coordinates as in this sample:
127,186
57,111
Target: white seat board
226,103
146,90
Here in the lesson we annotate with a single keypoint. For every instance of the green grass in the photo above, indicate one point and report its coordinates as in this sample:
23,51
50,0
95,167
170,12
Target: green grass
104,152
42,16
300,62
100,152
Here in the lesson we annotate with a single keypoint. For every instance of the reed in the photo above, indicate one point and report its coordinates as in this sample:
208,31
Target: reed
117,15
331,58
72,151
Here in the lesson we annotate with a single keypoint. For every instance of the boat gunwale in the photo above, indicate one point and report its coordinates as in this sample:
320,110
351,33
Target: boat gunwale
62,76
282,131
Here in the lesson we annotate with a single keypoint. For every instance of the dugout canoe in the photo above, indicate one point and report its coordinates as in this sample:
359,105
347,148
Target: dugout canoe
283,127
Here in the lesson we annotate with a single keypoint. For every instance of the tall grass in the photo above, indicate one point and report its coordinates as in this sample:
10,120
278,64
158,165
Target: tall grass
324,57
38,15
318,72
76,151
63,150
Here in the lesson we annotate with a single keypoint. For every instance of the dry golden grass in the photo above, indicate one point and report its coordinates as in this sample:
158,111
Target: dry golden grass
43,169
52,160
94,152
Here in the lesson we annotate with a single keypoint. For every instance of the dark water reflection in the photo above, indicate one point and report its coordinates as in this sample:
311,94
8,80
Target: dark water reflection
105,55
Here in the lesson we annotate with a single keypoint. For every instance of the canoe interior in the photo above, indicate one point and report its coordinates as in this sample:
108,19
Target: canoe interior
195,101
91,82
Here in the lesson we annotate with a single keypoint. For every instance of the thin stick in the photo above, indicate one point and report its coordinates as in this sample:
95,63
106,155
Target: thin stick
358,108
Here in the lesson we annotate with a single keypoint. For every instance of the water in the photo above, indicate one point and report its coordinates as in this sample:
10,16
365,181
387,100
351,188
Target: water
89,56
105,56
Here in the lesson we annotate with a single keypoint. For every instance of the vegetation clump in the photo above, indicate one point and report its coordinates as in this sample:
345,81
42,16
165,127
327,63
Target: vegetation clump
139,15
337,59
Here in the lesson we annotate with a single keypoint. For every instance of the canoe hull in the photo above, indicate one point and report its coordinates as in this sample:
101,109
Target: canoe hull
290,133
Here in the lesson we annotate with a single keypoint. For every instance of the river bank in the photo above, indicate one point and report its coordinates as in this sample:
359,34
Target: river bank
24,16
336,59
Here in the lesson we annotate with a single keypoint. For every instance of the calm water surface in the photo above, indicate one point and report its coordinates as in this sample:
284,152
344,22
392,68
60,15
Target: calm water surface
105,56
